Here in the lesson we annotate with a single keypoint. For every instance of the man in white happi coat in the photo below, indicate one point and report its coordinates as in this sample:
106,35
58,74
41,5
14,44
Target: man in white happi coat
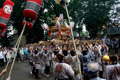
63,71
74,64
36,60
46,62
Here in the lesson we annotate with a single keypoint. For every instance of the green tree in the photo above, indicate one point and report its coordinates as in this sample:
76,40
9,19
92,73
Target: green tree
95,12
97,15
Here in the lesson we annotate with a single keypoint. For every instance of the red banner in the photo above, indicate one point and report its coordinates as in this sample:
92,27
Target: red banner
37,1
7,9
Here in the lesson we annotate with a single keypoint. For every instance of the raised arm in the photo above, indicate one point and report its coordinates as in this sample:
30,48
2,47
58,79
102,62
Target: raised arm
3,72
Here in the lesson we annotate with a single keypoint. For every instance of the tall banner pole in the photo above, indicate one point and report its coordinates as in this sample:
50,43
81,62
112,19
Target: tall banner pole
18,44
78,61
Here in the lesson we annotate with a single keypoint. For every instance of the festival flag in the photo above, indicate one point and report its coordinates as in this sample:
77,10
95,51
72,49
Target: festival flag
5,13
7,9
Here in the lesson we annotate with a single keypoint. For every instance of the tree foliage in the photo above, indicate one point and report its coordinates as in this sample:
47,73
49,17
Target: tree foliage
95,13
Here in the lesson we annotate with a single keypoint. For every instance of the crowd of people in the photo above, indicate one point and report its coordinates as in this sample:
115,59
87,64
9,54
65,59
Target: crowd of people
113,44
7,53
61,59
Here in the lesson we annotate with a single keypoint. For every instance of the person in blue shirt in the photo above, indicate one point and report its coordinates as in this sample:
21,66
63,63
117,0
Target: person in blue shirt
26,53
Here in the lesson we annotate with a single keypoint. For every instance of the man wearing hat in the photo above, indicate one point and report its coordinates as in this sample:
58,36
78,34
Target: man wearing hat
93,71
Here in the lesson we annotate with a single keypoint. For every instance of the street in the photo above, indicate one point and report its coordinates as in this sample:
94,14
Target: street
21,72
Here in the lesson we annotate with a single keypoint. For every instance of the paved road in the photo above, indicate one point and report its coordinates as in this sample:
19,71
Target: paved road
21,72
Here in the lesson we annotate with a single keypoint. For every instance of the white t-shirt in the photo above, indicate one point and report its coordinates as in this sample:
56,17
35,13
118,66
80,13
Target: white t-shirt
79,53
1,55
8,55
99,49
67,58
22,51
46,59
74,63
5,52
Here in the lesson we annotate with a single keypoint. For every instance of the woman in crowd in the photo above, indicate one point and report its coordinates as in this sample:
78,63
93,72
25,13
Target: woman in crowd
9,54
1,58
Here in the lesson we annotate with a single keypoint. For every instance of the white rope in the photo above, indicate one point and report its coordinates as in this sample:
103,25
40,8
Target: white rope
17,50
78,61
